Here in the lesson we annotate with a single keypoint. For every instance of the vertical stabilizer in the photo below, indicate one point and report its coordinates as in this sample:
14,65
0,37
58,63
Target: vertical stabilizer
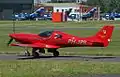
105,34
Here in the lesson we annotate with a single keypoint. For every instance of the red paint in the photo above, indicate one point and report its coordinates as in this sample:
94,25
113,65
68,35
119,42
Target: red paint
59,39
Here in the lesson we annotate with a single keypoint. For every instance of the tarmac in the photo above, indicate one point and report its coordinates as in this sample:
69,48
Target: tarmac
81,58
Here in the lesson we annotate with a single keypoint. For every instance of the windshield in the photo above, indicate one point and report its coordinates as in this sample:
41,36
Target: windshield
46,33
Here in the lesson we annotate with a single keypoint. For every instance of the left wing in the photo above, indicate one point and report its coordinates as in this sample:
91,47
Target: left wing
36,45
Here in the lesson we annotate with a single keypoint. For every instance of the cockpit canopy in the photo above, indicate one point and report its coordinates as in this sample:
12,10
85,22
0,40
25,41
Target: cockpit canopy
45,33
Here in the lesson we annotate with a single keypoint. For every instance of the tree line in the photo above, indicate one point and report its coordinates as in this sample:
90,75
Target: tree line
105,5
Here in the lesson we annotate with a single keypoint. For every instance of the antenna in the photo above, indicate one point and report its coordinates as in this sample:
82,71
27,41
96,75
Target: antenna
13,26
13,23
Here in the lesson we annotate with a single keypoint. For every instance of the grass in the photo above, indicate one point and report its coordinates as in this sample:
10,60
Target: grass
60,68
51,68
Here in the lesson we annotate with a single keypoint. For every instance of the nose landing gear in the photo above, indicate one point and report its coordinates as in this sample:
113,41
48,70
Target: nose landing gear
27,53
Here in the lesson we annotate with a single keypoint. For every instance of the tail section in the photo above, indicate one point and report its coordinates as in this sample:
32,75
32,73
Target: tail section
105,34
40,10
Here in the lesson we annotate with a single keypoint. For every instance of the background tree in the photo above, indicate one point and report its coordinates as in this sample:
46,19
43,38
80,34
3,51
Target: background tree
106,5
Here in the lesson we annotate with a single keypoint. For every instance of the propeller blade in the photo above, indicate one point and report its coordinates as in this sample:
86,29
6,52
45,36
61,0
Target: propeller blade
9,42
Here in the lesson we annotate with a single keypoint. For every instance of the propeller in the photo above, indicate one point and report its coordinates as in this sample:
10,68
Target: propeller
9,42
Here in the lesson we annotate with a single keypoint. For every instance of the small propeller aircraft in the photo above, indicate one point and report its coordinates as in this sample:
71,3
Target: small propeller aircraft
53,40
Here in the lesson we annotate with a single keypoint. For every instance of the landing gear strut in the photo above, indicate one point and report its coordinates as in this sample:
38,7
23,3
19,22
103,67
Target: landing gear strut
27,53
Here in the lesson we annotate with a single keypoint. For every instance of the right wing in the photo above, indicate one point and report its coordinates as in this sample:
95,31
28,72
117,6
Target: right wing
36,45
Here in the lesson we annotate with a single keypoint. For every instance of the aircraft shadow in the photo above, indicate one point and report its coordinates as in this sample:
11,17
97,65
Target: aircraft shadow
64,57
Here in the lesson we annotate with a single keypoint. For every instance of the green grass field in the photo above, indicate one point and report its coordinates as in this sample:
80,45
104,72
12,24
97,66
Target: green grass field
52,68
61,68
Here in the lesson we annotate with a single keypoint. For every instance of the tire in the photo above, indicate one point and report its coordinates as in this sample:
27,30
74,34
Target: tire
55,53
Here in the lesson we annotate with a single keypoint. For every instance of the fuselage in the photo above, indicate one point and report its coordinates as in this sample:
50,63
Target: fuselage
56,38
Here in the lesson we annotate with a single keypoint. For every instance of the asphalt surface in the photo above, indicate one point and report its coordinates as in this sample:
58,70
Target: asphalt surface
81,58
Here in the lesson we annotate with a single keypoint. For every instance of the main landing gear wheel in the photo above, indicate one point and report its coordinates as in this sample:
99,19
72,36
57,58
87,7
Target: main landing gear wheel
55,53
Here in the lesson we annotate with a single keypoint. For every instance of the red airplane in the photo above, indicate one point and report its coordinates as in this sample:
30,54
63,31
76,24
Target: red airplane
52,40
